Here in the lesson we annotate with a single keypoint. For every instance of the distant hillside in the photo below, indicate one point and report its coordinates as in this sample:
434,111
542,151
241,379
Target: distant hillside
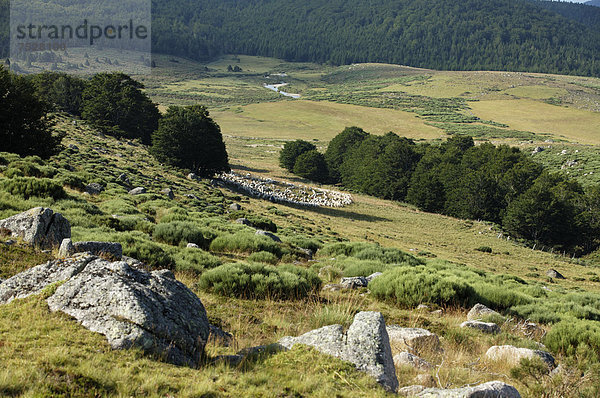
582,13
449,34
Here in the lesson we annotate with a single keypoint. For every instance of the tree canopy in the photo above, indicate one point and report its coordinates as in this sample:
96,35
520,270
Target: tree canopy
187,137
290,152
24,124
115,104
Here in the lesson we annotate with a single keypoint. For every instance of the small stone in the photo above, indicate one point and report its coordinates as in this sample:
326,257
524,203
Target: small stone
268,234
485,327
479,311
332,287
192,246
235,207
243,221
137,191
408,359
355,282
168,192
513,355
73,147
66,248
422,307
373,276
192,176
552,273
94,188
410,391
414,339
492,389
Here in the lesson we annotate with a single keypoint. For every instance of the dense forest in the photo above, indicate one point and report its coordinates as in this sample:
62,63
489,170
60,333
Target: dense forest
523,35
448,34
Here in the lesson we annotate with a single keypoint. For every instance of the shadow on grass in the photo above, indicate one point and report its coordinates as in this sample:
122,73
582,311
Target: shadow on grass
248,169
338,213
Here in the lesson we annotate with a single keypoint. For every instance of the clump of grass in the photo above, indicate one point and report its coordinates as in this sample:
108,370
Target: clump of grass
244,242
27,187
263,257
484,249
195,261
260,281
369,251
174,233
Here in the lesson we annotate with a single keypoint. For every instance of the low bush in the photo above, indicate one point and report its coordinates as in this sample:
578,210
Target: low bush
305,243
150,253
244,242
572,337
27,187
484,249
411,286
195,261
263,257
259,281
369,251
176,232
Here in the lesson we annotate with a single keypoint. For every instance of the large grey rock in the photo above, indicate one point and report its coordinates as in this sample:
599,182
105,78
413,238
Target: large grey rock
365,344
150,310
66,248
37,278
414,339
410,391
407,359
513,355
492,389
111,249
268,234
354,282
485,327
479,311
94,188
552,273
137,191
40,227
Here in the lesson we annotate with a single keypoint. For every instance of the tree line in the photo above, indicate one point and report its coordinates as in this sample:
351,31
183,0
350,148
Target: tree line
500,184
114,104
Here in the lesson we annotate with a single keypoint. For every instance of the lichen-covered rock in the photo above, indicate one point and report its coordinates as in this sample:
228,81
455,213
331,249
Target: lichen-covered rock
268,234
235,207
365,344
485,327
492,389
40,227
111,249
243,221
414,339
513,355
137,191
150,310
407,359
354,282
410,391
479,311
373,276
66,248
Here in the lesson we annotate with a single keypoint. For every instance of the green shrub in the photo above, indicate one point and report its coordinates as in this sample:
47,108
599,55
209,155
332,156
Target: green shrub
72,181
291,151
27,187
572,336
176,232
263,257
195,261
305,243
484,249
244,242
150,253
411,286
369,251
259,281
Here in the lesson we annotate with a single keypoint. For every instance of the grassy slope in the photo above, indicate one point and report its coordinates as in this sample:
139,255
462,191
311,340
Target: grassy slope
39,360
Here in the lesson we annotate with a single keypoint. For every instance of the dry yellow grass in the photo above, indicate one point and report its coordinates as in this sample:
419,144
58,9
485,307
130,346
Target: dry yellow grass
318,120
529,115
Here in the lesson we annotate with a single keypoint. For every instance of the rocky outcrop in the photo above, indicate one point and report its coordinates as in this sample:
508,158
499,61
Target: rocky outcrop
408,359
410,391
235,207
112,250
373,276
492,389
168,192
94,188
66,248
150,310
480,311
485,327
413,339
513,355
40,227
365,344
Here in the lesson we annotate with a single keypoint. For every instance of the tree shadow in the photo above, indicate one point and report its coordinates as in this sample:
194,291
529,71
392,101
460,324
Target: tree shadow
248,169
337,212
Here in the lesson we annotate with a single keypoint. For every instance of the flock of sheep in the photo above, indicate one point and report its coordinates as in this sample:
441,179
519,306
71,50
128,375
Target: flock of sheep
284,192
